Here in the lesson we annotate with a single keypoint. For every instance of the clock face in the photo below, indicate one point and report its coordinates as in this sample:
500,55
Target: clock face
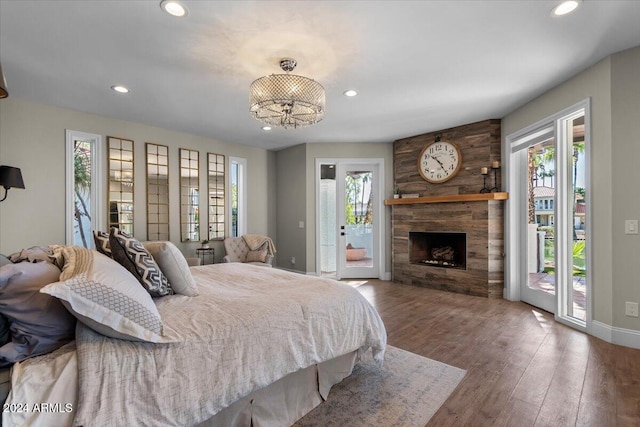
439,162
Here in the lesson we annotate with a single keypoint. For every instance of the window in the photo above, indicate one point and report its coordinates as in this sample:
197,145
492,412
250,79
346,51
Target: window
216,195
84,211
238,196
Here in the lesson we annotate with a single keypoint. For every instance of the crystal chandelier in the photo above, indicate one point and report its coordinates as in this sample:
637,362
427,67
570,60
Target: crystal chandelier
287,100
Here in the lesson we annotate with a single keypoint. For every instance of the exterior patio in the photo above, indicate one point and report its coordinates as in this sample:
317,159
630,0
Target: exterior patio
545,282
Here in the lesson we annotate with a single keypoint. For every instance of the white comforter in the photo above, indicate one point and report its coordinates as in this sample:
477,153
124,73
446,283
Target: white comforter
248,327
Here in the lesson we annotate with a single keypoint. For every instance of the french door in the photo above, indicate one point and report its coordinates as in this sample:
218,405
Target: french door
548,221
349,218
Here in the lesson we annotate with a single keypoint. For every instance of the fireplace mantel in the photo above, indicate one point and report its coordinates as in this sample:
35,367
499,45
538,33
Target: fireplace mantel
448,199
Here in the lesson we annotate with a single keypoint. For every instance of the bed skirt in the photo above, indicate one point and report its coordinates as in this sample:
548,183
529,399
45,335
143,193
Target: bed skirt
287,400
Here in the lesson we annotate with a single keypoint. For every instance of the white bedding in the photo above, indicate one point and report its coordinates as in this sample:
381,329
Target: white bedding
249,327
44,390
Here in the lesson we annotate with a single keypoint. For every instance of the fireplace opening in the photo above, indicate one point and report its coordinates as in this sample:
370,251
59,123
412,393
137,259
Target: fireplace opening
438,249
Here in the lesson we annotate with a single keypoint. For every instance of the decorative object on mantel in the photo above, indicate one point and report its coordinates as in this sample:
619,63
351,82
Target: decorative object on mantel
495,165
10,177
410,196
287,100
439,161
484,172
396,193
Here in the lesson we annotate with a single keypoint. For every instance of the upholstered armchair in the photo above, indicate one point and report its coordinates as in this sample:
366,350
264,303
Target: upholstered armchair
237,250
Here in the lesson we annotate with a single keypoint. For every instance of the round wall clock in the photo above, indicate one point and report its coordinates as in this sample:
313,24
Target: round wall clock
439,162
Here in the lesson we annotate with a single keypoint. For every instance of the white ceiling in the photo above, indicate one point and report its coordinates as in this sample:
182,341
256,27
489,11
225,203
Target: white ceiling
418,66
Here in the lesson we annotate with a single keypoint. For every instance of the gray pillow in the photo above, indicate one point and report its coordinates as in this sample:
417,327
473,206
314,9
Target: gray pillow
38,322
174,266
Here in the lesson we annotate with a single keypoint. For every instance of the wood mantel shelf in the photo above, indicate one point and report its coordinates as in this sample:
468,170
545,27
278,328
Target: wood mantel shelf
448,199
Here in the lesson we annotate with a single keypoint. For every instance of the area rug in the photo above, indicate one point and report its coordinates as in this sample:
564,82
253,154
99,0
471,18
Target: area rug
406,392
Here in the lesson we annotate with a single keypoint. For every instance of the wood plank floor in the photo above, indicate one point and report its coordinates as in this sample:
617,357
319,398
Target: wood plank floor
523,368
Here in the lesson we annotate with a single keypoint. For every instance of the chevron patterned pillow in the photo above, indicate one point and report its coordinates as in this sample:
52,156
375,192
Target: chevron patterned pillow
132,255
101,239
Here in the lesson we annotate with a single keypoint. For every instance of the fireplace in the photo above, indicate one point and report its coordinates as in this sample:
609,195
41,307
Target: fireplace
438,249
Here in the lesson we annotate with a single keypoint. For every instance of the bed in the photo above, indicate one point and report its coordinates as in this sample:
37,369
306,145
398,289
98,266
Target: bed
255,347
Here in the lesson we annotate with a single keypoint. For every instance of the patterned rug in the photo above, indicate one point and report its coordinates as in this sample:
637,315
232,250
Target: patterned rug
406,392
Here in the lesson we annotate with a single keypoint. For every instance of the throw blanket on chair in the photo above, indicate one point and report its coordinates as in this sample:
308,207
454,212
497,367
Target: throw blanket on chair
254,241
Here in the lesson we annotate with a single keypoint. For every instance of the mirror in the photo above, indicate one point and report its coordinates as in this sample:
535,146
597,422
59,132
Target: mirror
189,196
157,192
120,183
216,175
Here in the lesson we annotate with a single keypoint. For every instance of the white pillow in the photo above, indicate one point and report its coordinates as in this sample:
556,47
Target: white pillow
174,266
103,295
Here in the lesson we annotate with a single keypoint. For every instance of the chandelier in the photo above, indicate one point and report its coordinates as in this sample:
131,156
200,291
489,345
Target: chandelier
287,100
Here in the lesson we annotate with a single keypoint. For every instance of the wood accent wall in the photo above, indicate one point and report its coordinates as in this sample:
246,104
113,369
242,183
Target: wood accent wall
483,221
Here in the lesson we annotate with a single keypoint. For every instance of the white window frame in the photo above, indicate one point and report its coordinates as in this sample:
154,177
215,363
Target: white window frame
555,123
97,183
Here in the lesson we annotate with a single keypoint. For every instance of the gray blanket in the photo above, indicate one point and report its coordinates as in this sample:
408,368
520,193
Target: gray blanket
248,327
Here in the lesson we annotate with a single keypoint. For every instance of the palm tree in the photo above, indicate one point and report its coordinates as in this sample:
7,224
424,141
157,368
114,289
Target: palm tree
82,185
578,148
537,157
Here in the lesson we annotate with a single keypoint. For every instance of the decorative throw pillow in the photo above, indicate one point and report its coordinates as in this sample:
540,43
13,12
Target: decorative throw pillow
101,239
132,255
38,323
174,266
106,297
256,256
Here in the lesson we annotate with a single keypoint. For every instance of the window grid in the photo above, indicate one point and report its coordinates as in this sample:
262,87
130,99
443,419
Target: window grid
120,183
189,195
157,192
216,179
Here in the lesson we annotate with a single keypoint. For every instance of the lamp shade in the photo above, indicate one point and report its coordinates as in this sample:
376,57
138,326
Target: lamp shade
11,177
3,85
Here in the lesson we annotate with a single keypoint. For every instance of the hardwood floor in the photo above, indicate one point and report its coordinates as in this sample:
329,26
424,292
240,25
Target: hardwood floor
523,368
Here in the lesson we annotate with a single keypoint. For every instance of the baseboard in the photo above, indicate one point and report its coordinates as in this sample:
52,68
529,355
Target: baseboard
385,276
614,335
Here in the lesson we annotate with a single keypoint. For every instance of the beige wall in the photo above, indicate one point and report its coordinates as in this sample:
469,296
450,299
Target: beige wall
625,132
612,86
32,137
291,208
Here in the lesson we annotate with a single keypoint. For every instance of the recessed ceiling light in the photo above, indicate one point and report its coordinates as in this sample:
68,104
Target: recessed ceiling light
350,92
565,7
120,89
266,127
174,8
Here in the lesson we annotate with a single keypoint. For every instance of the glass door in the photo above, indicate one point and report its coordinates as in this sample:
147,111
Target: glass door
533,176
357,221
548,221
